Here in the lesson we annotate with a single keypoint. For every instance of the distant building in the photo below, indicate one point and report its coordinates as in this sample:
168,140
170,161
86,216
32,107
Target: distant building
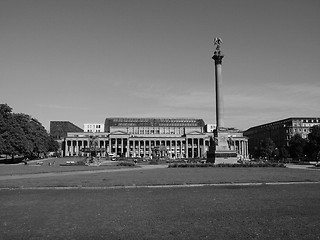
280,131
146,137
59,129
93,127
210,127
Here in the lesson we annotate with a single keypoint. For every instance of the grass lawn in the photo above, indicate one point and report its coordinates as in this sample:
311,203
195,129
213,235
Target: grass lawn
210,212
47,166
259,212
164,176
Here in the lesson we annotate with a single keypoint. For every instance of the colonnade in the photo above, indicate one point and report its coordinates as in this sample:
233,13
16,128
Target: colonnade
142,147
183,147
241,147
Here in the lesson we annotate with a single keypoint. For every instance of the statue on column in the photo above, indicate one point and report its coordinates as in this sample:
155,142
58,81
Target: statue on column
217,42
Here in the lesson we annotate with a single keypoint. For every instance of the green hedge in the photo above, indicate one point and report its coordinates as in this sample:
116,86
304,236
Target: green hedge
126,164
225,155
193,165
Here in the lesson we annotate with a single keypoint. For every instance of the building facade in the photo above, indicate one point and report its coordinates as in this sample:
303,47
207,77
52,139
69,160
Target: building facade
210,127
149,137
280,131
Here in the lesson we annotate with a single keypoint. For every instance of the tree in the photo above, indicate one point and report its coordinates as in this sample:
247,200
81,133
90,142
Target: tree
11,133
5,119
1,144
314,141
52,145
296,146
267,148
39,137
284,153
20,134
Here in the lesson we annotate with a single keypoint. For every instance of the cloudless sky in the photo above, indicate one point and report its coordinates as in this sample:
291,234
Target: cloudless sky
85,60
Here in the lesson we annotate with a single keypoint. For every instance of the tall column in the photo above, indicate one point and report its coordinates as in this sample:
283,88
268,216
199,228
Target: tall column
77,148
134,148
217,57
186,148
127,147
121,142
192,147
241,147
65,148
150,151
116,146
246,149
175,149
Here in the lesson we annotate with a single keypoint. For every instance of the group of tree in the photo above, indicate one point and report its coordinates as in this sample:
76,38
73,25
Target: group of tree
22,135
299,148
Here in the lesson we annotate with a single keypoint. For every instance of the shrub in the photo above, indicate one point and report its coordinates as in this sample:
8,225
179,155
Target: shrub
261,164
154,162
126,164
81,163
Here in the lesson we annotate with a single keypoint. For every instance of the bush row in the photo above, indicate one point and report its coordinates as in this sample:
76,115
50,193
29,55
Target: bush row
193,165
223,155
126,164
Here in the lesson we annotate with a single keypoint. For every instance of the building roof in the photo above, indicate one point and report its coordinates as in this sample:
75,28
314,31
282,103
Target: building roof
154,122
283,121
59,129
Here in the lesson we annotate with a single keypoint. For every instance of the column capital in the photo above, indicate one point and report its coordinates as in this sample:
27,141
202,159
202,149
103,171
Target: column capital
217,57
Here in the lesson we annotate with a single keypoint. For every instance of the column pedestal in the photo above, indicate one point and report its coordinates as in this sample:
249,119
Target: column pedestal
225,152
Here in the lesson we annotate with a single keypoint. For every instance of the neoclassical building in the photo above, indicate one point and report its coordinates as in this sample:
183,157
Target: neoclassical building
149,137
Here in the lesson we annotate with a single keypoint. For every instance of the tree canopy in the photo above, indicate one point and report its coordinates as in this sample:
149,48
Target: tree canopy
267,148
297,146
20,134
314,142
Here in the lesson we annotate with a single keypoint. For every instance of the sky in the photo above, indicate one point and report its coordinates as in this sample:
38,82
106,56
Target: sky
85,60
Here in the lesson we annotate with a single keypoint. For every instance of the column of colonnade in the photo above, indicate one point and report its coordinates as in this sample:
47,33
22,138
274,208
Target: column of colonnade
242,147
